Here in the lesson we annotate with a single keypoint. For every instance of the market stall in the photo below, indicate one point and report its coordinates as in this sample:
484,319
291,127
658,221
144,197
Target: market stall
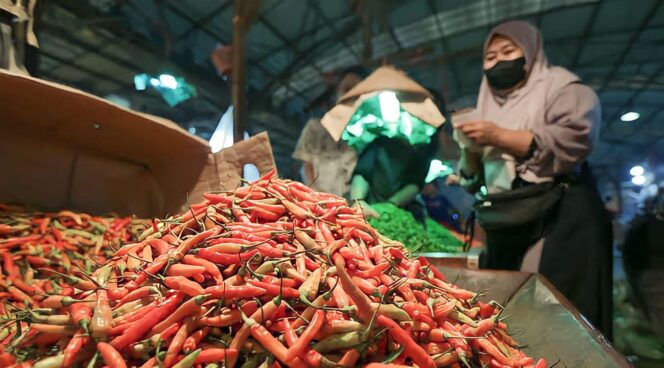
267,273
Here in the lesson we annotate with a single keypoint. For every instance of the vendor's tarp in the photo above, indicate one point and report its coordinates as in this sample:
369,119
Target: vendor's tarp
541,318
61,148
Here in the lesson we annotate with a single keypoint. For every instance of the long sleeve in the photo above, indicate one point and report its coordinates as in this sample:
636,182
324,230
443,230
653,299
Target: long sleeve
567,136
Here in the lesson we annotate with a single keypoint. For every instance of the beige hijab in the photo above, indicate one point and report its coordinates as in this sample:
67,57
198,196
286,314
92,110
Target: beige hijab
523,109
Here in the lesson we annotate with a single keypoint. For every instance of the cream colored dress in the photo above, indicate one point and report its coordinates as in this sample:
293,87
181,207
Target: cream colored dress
333,162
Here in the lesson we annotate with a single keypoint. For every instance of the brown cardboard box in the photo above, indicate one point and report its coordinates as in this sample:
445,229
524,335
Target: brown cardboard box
63,148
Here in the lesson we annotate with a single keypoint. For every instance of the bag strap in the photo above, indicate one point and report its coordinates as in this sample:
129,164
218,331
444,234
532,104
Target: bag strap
469,231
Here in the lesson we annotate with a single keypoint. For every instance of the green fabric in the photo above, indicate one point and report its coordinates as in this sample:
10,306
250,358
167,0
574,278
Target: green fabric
367,124
398,224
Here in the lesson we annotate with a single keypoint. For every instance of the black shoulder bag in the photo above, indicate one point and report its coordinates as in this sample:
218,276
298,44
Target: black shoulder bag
517,218
518,206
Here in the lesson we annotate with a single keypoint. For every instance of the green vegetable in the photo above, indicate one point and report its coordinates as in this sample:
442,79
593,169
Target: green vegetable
398,224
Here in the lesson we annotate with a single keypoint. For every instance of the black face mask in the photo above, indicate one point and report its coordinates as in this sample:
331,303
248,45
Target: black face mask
506,73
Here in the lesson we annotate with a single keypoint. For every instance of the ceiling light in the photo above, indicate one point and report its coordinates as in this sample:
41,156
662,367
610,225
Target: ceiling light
630,116
192,130
140,81
168,81
639,180
637,171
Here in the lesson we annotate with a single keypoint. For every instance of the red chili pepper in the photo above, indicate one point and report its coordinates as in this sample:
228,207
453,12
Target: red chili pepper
216,355
456,292
140,293
362,302
135,315
418,312
126,248
541,364
184,285
228,248
61,301
77,342
187,309
111,356
264,313
226,259
303,342
28,289
219,198
492,350
421,296
141,327
411,348
185,270
269,342
151,269
274,290
295,210
191,343
176,344
483,327
264,214
171,330
7,359
234,292
338,294
373,271
210,267
413,269
280,281
267,250
13,242
160,245
364,285
442,309
81,315
486,310
350,254
8,264
195,240
150,363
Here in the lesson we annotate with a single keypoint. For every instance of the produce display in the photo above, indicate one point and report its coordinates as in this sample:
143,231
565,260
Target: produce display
399,224
271,274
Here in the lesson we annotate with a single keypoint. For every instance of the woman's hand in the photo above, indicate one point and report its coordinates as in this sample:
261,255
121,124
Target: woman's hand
487,133
481,132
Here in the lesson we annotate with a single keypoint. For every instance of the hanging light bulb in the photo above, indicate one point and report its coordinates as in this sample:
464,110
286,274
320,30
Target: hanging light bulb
639,180
637,171
389,106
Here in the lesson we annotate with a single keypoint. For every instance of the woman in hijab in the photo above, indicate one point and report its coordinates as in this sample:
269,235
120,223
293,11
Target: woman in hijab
533,128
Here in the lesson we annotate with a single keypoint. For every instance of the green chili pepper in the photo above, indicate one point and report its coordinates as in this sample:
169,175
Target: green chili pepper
398,224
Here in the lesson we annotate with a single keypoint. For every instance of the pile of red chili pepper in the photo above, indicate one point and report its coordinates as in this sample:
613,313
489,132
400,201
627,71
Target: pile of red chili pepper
57,247
271,274
50,253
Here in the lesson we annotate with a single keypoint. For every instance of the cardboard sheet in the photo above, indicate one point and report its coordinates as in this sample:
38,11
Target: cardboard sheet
541,318
223,170
61,148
